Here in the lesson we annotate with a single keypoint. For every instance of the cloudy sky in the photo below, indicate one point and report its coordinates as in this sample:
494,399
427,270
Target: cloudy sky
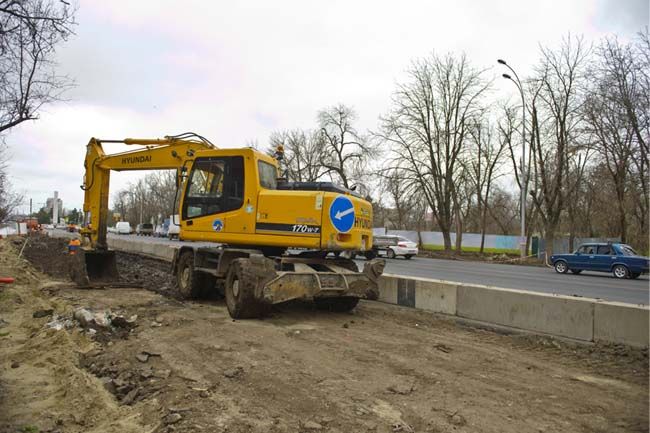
235,71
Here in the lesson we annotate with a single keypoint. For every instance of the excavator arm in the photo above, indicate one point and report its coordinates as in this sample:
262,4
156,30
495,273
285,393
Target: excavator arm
171,152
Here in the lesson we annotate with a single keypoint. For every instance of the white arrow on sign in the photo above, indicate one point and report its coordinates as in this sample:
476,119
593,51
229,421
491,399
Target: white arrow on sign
340,214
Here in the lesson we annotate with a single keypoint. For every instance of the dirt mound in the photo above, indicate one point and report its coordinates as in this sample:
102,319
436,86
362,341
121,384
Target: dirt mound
48,255
152,274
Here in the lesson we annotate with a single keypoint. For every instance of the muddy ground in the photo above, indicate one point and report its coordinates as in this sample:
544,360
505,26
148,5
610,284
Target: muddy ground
187,367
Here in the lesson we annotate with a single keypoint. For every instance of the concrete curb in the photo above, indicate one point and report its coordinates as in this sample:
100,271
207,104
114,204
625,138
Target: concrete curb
582,319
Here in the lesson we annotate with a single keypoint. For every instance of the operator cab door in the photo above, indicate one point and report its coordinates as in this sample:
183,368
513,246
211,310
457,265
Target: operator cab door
604,258
213,196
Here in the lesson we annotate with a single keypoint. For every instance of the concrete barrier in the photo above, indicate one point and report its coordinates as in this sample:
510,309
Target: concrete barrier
556,315
580,319
621,323
159,251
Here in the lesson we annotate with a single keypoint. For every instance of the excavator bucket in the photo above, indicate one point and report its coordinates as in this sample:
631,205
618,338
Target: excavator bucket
94,268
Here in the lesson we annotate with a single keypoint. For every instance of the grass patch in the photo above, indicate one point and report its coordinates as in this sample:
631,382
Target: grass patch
430,247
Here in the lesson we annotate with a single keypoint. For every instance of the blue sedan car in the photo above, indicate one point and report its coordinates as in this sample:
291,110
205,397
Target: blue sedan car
619,259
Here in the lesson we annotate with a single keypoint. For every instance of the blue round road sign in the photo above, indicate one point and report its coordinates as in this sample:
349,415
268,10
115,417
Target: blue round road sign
342,214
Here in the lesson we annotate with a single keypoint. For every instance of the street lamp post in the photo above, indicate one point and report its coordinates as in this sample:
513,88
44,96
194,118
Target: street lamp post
524,183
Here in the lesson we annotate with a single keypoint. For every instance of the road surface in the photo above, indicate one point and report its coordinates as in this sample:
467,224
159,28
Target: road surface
532,278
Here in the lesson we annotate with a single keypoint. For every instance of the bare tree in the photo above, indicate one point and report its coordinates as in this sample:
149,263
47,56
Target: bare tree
488,152
427,129
555,126
345,151
303,154
30,31
9,200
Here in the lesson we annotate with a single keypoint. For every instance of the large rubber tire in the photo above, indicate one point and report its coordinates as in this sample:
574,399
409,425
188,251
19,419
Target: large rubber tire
191,284
561,267
390,253
240,292
370,254
337,305
576,271
634,275
620,272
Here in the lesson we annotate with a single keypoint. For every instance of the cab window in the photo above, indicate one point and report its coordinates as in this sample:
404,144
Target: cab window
215,185
268,175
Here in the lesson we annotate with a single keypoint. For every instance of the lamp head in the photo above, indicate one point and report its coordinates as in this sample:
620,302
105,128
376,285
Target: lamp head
503,62
507,76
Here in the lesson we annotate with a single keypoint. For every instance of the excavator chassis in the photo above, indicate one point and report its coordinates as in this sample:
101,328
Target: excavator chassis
274,280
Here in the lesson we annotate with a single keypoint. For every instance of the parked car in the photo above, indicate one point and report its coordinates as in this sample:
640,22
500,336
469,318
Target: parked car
174,230
160,231
619,259
394,246
144,229
123,228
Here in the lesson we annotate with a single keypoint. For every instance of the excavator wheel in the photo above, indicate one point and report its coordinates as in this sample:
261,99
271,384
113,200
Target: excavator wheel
191,284
240,292
339,305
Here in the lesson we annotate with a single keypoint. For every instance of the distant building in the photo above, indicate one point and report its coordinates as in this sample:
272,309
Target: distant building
57,212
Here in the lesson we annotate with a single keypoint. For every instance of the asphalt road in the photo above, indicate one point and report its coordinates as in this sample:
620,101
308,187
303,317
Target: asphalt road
536,279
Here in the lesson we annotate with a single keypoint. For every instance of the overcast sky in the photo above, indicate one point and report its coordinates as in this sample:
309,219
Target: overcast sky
235,71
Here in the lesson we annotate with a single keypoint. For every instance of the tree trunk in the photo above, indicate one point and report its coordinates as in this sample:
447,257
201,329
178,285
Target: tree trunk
446,237
549,238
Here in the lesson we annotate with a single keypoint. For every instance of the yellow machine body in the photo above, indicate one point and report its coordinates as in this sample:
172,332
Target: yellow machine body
228,196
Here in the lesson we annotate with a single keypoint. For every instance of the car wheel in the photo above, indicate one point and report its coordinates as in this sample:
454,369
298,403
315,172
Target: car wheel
390,253
576,271
370,254
561,267
620,271
408,256
635,275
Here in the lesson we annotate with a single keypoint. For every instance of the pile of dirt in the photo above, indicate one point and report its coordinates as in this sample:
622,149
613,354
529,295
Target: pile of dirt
151,274
48,255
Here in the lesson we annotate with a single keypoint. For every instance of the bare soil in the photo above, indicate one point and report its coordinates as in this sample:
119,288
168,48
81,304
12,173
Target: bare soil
188,367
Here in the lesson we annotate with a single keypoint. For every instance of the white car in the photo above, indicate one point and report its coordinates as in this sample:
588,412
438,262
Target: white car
174,227
123,228
405,247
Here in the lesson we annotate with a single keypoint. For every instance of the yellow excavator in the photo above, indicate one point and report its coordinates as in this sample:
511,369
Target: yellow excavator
237,200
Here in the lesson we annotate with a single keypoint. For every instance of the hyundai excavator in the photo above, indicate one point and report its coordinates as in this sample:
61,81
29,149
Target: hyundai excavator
236,200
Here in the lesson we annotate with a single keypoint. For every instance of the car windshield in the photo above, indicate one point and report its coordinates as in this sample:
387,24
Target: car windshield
627,250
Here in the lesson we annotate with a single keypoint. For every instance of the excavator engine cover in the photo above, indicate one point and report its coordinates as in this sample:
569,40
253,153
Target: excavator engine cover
92,268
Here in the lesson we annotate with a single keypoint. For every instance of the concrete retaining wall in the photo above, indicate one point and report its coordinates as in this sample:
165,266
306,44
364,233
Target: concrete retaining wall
562,316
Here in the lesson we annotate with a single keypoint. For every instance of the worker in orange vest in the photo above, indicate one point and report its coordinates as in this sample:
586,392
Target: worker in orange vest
73,246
